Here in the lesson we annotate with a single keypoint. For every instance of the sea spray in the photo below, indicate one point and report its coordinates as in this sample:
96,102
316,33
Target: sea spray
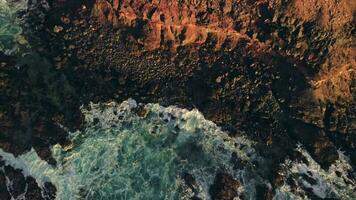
334,183
121,155
128,151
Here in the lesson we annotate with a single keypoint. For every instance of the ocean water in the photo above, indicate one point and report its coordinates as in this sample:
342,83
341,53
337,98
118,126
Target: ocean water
11,38
121,154
131,151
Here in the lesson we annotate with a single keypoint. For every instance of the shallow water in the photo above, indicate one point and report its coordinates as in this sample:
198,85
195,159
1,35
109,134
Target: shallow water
121,154
11,38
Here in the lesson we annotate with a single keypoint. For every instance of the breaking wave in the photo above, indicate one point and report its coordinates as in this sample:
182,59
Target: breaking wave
121,155
128,151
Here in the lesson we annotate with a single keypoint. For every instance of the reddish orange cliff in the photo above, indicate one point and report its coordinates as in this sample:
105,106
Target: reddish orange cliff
174,23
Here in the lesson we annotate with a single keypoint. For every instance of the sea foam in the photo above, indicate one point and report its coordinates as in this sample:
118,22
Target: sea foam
131,151
121,155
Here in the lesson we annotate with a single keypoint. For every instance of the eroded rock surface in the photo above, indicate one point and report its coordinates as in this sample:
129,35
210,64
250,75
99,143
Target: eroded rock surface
281,72
16,185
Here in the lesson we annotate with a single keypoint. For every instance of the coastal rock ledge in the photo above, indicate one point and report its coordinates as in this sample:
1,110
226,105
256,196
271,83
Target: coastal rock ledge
280,72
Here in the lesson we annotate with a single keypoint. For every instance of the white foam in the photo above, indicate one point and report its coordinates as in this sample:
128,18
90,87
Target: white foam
119,150
121,155
327,183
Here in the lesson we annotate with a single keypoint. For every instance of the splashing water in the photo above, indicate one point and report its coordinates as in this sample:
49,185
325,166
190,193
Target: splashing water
11,38
131,152
334,183
121,155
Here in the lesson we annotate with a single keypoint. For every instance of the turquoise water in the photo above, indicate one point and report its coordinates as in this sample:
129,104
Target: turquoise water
121,155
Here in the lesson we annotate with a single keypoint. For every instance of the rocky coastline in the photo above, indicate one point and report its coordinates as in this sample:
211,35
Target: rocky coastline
280,72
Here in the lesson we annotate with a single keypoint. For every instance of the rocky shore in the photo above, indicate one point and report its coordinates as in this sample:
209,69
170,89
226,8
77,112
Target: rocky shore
280,72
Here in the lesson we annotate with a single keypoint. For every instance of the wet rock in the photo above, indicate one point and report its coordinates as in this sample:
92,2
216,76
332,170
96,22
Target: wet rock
49,191
316,141
33,191
4,193
14,184
16,181
224,187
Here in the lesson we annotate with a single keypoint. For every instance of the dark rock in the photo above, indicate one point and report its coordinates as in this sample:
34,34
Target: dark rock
224,187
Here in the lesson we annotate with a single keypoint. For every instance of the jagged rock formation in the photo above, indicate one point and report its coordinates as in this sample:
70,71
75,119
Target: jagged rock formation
15,186
173,24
